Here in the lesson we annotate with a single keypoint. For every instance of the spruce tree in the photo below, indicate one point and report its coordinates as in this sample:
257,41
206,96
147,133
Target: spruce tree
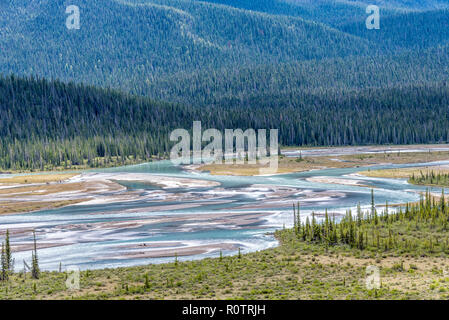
34,260
295,222
4,275
8,254
147,281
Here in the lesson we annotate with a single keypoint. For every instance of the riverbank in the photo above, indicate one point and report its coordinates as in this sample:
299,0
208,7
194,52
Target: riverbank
95,163
28,193
15,190
413,175
323,158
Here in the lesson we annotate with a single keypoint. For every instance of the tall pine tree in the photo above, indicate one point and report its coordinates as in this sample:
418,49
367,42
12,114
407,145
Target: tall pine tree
34,260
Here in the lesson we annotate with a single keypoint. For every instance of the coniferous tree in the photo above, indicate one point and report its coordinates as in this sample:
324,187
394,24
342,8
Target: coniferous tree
8,253
35,272
5,270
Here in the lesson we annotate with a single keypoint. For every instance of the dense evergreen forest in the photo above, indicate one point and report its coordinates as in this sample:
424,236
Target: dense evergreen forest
308,68
130,46
198,52
218,87
51,123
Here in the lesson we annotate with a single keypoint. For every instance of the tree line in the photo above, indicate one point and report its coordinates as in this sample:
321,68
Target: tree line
47,124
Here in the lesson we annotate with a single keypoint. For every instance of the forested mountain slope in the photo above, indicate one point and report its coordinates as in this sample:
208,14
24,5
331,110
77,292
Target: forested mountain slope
198,52
51,124
333,12
398,4
236,86
128,45
329,12
295,64
417,30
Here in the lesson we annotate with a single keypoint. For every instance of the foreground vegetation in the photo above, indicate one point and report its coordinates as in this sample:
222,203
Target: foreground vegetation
315,260
418,229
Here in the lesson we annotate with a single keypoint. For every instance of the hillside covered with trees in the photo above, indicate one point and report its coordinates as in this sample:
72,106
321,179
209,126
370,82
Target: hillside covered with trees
158,65
219,48
46,123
